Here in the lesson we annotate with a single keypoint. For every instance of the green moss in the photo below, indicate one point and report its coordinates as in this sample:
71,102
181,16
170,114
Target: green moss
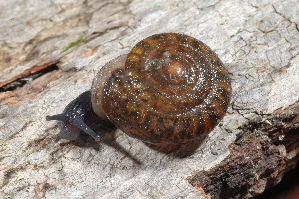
8,197
157,5
72,44
133,44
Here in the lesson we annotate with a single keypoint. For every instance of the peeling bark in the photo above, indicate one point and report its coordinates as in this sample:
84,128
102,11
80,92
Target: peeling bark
259,157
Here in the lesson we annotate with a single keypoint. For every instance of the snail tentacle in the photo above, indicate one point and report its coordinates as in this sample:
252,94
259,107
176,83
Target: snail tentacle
72,120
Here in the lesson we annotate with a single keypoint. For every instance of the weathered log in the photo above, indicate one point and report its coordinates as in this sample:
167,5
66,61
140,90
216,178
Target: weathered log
249,151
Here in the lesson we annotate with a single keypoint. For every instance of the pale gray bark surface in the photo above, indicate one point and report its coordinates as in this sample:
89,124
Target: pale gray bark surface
258,41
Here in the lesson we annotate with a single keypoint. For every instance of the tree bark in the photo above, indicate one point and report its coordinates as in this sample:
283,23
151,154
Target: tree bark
51,51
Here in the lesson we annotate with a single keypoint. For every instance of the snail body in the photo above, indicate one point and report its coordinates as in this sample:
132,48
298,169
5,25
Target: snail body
170,88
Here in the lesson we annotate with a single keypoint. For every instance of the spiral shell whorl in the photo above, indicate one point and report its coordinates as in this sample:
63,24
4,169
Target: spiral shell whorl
173,89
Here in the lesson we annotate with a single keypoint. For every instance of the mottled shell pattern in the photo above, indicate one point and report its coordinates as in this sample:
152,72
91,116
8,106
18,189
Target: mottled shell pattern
170,88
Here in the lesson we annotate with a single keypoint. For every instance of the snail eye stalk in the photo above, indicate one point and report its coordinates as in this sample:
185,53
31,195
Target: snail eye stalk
73,119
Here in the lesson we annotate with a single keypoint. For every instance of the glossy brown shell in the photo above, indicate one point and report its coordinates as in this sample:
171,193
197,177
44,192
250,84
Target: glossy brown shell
172,88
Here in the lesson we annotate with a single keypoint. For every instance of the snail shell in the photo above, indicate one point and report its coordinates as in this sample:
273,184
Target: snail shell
170,88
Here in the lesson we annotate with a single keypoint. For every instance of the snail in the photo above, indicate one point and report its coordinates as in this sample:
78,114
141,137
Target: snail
170,88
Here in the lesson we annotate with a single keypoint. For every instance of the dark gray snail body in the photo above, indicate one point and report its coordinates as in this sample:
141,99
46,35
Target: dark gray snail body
170,88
